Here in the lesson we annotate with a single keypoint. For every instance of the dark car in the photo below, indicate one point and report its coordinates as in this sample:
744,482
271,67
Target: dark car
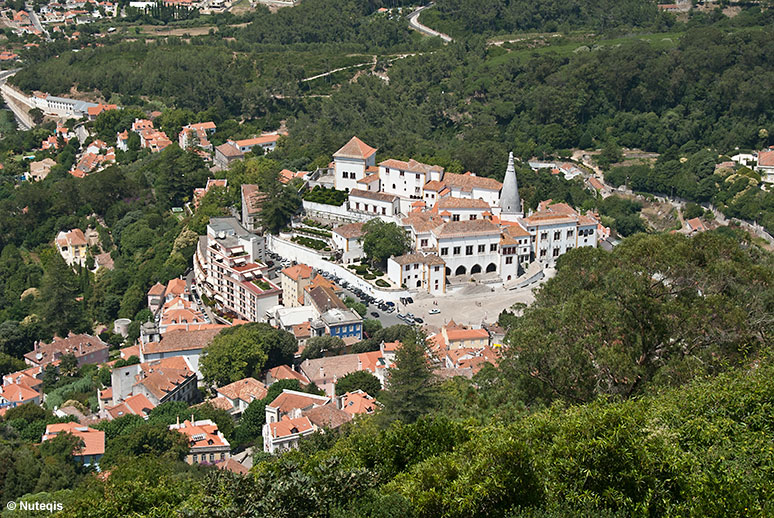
374,314
418,320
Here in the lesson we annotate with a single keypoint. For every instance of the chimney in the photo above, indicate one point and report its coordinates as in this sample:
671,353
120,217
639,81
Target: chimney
360,363
322,372
178,421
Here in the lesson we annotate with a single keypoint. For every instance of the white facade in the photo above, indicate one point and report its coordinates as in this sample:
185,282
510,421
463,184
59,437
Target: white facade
351,162
227,268
374,203
417,271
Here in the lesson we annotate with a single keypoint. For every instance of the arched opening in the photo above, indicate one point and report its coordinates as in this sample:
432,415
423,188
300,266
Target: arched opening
460,270
448,271
491,268
419,284
476,268
509,277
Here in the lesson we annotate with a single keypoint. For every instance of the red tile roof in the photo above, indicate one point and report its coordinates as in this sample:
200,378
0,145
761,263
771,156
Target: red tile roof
283,372
246,389
288,427
355,148
93,440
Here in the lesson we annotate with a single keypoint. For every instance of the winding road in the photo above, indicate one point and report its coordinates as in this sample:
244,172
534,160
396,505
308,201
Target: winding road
414,23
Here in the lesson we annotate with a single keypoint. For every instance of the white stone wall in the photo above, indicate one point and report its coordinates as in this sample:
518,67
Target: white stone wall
481,257
406,184
353,169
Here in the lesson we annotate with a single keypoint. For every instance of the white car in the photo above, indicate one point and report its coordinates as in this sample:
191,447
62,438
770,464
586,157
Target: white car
434,311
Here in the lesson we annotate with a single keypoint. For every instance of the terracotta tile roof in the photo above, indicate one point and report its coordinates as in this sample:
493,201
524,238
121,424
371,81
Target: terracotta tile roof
371,195
289,427
358,402
283,372
18,393
516,231
229,151
596,184
422,222
201,434
302,330
78,345
106,394
461,203
157,289
766,158
350,231
368,179
299,271
180,340
323,298
696,225
136,405
466,228
176,287
418,258
327,416
263,139
246,389
456,335
469,181
391,346
355,148
93,440
233,466
411,166
253,197
291,400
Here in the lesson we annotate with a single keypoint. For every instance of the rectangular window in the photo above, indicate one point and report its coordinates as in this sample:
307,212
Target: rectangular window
472,217
212,457
408,267
437,268
357,205
556,252
542,253
456,250
455,217
444,251
469,250
481,249
423,242
509,259
569,233
416,266
557,235
384,211
493,247
544,235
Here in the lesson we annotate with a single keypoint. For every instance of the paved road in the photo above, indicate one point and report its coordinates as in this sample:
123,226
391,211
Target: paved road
36,22
414,23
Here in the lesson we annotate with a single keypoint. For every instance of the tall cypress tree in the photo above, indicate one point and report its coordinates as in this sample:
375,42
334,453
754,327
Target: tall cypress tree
410,391
59,287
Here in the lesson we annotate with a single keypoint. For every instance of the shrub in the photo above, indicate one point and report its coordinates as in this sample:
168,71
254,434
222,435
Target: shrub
382,284
369,277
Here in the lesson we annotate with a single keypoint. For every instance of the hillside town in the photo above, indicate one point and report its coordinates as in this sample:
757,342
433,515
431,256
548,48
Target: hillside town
273,258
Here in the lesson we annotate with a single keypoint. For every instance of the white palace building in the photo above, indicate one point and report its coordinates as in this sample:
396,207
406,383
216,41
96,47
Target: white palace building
459,224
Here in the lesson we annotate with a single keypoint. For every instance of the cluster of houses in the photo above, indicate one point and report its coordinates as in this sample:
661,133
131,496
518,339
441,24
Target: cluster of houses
150,138
74,247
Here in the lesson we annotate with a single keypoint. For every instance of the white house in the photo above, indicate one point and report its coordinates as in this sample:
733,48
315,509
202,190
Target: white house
374,203
418,271
351,162
347,238
766,165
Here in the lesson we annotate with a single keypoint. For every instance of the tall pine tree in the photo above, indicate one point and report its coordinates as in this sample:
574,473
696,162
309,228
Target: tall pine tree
59,287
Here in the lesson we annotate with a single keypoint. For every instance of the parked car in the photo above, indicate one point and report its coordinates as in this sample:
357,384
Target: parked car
374,314
390,309
409,300
418,320
434,311
390,303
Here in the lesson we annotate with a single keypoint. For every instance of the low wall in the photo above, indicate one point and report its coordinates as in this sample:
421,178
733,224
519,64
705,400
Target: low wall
331,212
301,254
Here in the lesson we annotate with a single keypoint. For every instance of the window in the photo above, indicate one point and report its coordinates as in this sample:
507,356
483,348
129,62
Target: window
212,457
557,235
222,456
455,217
384,211
570,233
408,267
393,186
472,217
456,250
436,269
444,251
481,249
544,235
493,247
195,457
357,205
416,266
509,259
469,250
542,253
423,242
556,252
